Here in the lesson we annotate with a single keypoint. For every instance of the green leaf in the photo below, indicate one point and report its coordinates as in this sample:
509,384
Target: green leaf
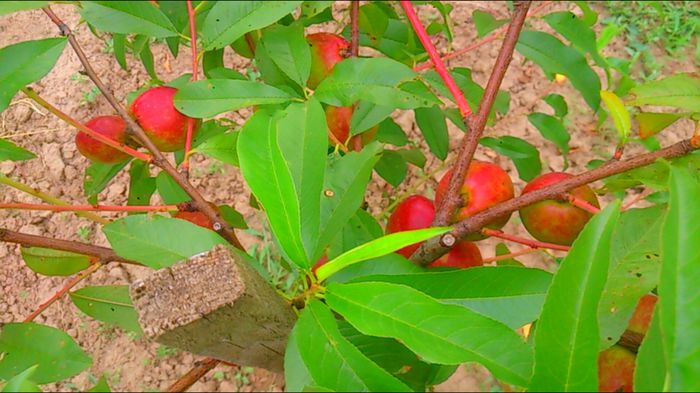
414,156
128,17
225,73
486,23
221,147
54,262
392,167
361,228
525,156
375,80
678,296
589,16
169,190
556,58
367,115
509,294
12,152
292,53
8,7
566,338
678,91
110,304
620,114
635,264
24,63
330,359
390,132
100,386
22,382
210,97
551,129
141,184
229,20
24,345
157,241
577,32
437,333
233,217
119,45
558,103
377,248
433,126
142,47
211,60
502,249
98,176
651,123
390,264
650,367
607,34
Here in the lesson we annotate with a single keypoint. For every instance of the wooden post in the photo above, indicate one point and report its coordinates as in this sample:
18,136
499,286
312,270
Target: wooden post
216,305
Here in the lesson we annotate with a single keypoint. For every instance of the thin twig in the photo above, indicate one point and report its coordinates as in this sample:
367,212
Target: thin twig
198,371
424,38
522,240
87,208
583,204
355,28
219,224
475,125
524,251
195,70
49,198
432,248
25,239
637,198
67,287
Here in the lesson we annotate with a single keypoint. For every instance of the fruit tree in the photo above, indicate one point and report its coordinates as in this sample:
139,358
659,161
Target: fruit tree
600,291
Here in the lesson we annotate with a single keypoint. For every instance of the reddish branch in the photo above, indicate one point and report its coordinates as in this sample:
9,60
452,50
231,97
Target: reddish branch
522,240
435,57
198,371
67,287
355,28
87,208
432,249
511,255
637,198
583,204
477,122
195,63
82,128
103,253
220,225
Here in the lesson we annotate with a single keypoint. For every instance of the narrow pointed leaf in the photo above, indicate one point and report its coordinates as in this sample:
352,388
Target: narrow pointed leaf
22,382
525,155
128,17
54,262
551,129
292,52
8,7
651,123
618,112
566,338
12,152
678,91
437,333
650,367
108,303
433,125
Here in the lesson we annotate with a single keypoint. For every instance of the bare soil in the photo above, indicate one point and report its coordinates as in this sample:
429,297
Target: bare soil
135,364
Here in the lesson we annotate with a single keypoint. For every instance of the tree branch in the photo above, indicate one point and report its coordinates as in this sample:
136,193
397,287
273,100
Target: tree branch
220,225
200,369
103,253
355,28
475,126
195,63
432,249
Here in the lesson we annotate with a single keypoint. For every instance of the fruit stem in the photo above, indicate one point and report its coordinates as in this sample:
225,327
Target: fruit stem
48,198
637,198
82,128
355,28
87,208
95,264
195,70
582,204
491,37
524,251
424,38
522,240
103,253
475,124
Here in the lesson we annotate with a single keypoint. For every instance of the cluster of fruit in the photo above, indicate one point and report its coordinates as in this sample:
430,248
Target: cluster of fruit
485,185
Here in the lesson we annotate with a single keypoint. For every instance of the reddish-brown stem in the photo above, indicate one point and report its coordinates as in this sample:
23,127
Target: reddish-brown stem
354,28
432,249
637,198
489,38
220,225
82,128
251,44
582,204
522,240
424,38
476,123
87,208
198,371
195,63
524,251
104,254
67,287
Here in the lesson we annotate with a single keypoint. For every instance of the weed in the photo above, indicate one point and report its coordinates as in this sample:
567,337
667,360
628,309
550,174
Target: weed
164,351
84,233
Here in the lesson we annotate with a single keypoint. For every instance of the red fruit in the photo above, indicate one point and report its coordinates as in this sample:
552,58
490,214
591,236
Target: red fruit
615,370
326,50
485,185
639,323
554,221
338,120
112,127
198,218
414,212
463,255
155,112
